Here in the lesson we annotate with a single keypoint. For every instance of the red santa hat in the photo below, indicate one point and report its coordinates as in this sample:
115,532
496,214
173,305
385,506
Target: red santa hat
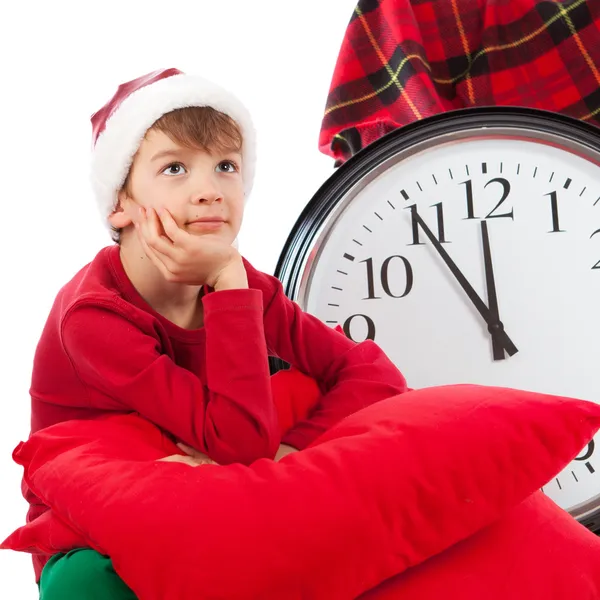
120,126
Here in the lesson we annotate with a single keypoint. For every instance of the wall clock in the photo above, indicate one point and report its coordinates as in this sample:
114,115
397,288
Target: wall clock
467,245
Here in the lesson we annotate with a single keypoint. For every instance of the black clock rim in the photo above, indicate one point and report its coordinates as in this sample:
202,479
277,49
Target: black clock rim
324,200
317,210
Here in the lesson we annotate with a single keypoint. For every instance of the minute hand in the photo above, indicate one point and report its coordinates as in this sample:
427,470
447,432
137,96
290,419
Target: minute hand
479,304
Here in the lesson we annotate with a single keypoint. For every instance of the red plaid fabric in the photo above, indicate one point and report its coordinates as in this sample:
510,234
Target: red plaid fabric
403,60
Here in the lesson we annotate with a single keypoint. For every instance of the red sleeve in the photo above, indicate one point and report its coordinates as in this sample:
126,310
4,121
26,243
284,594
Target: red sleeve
231,416
350,375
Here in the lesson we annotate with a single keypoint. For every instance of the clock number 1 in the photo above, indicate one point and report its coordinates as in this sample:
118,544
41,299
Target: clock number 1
385,281
554,207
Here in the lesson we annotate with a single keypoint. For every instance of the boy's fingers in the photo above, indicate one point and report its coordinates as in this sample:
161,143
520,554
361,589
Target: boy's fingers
171,228
187,449
155,237
155,257
188,460
200,457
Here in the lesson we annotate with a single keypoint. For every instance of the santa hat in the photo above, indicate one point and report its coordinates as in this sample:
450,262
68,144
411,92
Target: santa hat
120,126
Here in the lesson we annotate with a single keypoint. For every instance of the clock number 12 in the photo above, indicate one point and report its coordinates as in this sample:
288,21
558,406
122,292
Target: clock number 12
492,214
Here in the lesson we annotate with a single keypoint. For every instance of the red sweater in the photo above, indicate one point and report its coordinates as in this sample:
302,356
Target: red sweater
104,349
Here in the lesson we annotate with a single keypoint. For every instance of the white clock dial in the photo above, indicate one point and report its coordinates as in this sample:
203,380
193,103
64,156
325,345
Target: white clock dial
521,206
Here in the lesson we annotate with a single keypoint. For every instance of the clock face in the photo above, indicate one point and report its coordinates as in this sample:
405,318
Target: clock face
470,256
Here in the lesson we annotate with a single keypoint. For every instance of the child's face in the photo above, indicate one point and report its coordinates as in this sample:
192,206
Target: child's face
191,184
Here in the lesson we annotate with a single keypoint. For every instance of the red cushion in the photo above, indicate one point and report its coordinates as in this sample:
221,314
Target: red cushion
295,395
535,551
386,489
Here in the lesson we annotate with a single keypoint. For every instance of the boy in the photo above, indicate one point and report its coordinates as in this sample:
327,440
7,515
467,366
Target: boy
170,321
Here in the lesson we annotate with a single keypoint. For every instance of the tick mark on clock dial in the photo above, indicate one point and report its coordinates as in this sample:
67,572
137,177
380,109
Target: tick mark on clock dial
379,216
348,257
484,168
333,287
391,205
567,184
558,484
535,172
356,242
419,186
583,190
367,229
589,467
450,171
404,194
574,476
342,272
518,168
434,179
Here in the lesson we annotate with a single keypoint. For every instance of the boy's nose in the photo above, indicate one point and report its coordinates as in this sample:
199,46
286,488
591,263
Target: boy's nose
208,198
207,193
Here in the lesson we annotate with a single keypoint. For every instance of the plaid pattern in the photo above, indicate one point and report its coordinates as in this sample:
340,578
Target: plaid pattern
403,60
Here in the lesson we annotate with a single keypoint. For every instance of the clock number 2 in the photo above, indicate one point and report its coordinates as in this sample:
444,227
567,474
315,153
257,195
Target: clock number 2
385,281
597,265
492,214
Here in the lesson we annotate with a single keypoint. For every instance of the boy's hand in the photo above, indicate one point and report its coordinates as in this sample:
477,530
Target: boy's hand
284,450
189,259
192,458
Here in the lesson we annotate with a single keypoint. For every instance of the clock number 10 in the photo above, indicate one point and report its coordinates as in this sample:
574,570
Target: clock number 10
384,282
384,277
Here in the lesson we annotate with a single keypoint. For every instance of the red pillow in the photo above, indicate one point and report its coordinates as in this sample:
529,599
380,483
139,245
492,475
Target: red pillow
295,395
536,551
386,489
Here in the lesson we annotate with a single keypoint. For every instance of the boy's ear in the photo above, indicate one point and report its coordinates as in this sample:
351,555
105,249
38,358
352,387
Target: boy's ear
121,217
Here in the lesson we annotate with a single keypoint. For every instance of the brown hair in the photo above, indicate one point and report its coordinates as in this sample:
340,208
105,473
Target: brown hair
199,127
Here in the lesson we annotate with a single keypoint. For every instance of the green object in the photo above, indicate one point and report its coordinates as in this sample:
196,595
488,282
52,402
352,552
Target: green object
82,574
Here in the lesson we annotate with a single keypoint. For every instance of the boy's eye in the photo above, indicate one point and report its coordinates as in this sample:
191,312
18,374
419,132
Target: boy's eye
174,169
227,166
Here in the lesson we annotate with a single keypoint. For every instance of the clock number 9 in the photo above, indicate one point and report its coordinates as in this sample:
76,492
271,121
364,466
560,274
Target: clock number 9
370,327
587,454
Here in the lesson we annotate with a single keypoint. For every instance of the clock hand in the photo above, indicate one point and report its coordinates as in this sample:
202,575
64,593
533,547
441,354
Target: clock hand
495,326
466,286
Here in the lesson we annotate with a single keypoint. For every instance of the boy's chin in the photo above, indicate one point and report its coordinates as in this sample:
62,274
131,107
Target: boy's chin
221,236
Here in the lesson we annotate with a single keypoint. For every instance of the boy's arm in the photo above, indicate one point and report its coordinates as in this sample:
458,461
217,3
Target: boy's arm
230,417
351,376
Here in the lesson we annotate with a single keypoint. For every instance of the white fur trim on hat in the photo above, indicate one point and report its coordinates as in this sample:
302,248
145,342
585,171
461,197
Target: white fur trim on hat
116,146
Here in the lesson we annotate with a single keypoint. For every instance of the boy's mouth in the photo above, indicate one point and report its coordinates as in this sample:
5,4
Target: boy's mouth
208,220
207,223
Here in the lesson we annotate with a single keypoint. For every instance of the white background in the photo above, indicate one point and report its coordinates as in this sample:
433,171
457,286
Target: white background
60,61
